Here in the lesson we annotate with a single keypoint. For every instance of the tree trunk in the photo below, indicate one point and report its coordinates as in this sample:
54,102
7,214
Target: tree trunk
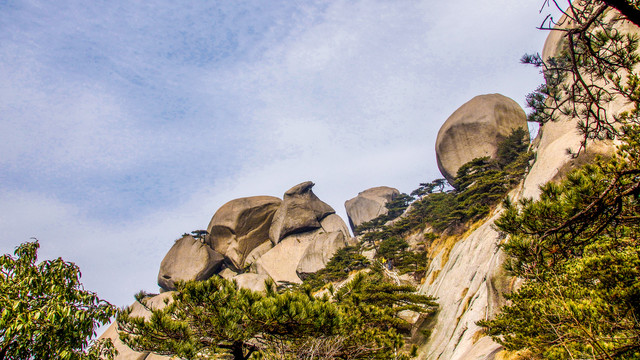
629,11
237,351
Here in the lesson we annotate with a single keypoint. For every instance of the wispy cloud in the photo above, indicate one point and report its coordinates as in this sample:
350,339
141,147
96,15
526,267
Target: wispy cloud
123,125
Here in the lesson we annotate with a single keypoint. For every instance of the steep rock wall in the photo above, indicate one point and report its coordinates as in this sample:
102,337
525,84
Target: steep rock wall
465,273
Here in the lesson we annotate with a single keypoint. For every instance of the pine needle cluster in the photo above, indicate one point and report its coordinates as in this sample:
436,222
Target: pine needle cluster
577,248
213,317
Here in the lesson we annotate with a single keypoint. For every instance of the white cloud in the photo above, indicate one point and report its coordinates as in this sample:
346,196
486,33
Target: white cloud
348,94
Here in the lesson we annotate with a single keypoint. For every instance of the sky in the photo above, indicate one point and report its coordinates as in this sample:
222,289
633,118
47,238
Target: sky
124,124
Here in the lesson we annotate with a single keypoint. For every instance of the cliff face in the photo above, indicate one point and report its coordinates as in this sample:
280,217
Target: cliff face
258,238
465,273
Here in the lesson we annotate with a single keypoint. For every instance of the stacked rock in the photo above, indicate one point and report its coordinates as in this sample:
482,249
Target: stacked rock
254,239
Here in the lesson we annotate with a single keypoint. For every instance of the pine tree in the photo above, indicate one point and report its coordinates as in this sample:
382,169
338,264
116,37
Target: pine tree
594,66
216,317
577,250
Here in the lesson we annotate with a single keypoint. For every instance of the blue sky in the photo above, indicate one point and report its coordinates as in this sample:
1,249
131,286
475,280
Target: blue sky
126,124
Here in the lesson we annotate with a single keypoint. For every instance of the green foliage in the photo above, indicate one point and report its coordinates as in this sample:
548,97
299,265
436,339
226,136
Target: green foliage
343,262
372,303
429,188
396,250
480,184
46,313
577,249
588,72
216,317
375,289
395,208
371,328
577,246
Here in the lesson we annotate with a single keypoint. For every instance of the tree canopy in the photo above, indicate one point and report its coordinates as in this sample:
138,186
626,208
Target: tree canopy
576,247
217,317
577,250
46,313
593,68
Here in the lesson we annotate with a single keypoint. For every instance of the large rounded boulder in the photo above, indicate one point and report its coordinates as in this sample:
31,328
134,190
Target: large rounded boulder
320,251
240,226
369,204
475,130
188,259
303,253
301,211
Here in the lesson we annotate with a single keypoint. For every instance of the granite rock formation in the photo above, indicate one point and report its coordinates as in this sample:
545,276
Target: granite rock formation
240,226
369,204
301,211
188,259
475,130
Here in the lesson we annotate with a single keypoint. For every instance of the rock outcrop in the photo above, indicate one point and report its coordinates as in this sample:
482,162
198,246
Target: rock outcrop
301,211
475,130
466,275
281,262
465,272
251,281
319,252
260,239
334,223
188,259
369,204
254,239
240,226
137,310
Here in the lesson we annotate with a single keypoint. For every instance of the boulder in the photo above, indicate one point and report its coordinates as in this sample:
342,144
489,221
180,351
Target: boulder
227,273
188,259
369,204
124,352
251,281
137,310
281,262
319,252
158,302
240,226
301,211
257,252
333,223
475,130
414,321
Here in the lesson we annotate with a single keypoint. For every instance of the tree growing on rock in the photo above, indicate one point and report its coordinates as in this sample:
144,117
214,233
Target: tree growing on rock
577,250
594,67
45,312
577,246
216,317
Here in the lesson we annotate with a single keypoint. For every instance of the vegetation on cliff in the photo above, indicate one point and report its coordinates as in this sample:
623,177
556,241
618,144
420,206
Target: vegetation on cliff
577,250
577,247
215,316
480,185
593,69
345,261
